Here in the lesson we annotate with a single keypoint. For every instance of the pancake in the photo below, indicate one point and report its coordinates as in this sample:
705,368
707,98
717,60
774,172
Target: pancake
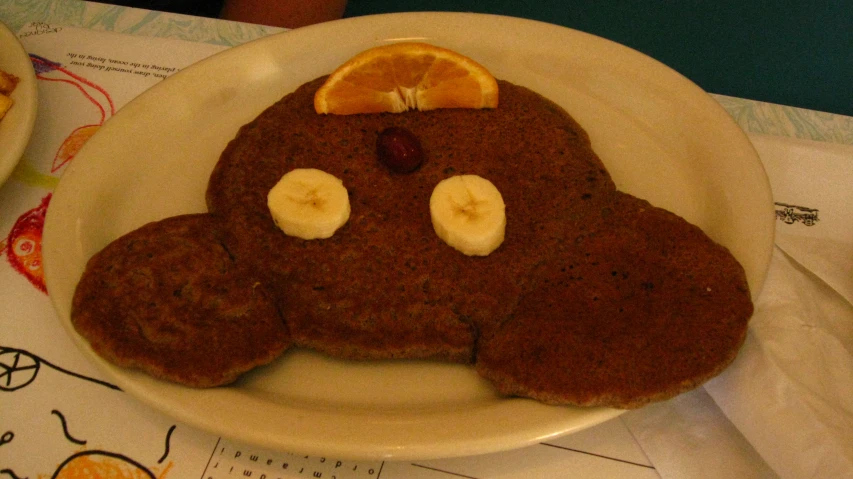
640,308
168,299
385,286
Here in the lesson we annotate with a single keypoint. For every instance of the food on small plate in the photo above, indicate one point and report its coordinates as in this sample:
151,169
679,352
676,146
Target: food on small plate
8,82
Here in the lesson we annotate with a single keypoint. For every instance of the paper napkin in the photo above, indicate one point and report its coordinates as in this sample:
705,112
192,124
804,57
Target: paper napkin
785,406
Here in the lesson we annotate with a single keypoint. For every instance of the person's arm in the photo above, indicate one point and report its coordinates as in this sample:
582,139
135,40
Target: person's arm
283,13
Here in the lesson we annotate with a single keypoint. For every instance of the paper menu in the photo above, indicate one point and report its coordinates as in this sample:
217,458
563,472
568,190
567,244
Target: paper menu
58,411
66,415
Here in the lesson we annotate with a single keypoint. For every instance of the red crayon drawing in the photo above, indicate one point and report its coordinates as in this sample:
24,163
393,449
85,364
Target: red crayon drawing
22,246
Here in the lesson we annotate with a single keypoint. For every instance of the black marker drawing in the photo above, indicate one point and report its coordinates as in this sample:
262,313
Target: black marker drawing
168,438
65,429
11,474
6,439
19,368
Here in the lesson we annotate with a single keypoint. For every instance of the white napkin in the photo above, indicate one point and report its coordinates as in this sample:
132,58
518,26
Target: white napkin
785,407
791,391
690,437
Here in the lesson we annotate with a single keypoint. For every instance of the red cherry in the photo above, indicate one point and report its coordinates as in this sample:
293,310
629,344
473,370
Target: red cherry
399,149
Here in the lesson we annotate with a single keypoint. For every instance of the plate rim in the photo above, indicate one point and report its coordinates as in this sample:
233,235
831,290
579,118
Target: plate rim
358,451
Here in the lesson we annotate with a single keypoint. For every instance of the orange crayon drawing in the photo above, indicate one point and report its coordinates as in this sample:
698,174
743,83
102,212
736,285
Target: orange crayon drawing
99,464
96,463
103,464
72,144
19,369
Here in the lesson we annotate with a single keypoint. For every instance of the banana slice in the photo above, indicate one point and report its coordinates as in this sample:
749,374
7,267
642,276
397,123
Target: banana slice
468,213
309,203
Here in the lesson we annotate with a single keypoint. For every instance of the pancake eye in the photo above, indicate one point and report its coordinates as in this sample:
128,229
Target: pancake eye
468,213
309,203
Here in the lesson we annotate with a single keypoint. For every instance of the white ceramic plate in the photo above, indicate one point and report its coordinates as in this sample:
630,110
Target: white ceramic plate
662,137
17,126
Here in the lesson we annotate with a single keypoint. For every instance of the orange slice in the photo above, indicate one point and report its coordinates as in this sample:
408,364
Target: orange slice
406,76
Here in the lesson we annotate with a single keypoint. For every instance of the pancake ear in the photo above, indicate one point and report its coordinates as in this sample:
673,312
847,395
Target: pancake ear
646,307
169,299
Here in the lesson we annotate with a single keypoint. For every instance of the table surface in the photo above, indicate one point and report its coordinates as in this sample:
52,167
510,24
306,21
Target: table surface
755,117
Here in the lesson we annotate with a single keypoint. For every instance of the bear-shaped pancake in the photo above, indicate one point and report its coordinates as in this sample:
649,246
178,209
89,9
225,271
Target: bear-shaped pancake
585,271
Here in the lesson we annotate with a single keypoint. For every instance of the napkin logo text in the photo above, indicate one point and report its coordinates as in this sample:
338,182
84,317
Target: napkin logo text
791,214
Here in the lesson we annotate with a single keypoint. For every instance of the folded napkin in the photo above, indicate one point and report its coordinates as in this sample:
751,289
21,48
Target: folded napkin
785,406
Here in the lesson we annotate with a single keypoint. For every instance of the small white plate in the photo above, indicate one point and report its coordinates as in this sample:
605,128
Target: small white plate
17,126
661,136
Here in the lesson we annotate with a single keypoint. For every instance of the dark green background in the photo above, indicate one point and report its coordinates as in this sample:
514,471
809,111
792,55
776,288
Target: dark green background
786,52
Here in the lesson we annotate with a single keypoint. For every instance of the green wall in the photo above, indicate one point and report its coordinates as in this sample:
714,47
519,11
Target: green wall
792,53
